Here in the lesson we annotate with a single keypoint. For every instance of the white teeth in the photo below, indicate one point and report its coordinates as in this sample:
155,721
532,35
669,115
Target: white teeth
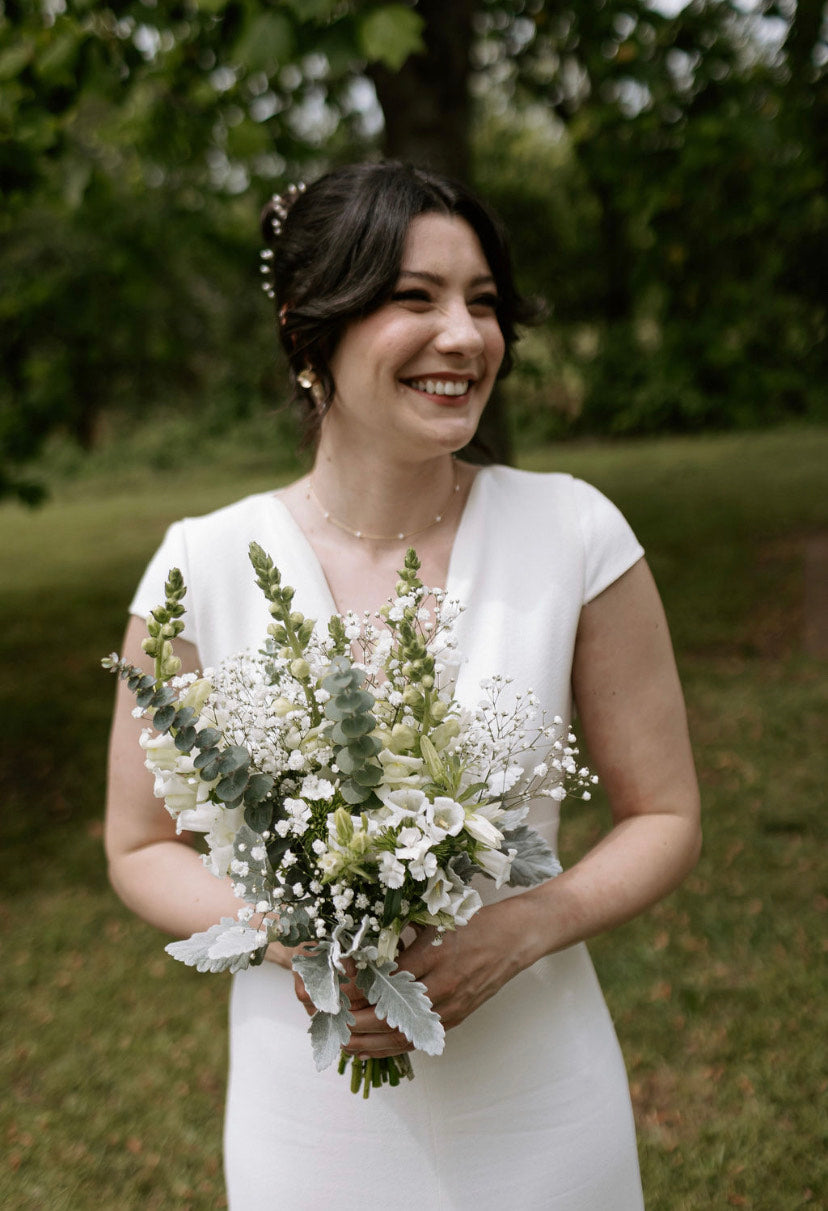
434,386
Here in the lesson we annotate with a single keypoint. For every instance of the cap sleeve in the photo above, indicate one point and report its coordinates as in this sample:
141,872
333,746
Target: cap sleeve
150,592
610,546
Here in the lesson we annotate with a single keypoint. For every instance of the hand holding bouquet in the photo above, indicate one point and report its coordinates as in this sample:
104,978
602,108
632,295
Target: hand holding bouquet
348,795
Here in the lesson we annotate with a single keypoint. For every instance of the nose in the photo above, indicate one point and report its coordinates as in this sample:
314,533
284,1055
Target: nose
459,331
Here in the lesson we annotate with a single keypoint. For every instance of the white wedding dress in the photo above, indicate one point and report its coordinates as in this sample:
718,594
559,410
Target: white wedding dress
528,1107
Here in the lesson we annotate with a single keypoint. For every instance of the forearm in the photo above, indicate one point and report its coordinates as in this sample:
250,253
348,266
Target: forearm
640,861
166,884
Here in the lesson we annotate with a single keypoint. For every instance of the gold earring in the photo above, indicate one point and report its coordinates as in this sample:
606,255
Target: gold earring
309,379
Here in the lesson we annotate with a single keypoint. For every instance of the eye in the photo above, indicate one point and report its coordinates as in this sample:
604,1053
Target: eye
484,302
411,296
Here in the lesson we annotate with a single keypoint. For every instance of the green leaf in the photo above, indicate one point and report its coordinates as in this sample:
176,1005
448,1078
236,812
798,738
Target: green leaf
266,42
14,58
390,34
368,775
207,763
162,719
354,794
363,747
163,696
355,725
234,758
185,738
208,737
258,788
258,816
312,10
231,788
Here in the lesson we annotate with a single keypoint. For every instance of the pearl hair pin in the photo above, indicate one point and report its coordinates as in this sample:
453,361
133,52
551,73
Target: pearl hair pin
363,534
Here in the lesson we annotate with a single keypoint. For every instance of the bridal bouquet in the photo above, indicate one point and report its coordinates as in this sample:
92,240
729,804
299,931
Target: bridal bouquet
348,795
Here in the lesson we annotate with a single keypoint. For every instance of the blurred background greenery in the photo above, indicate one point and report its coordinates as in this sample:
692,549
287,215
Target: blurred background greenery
661,166
662,169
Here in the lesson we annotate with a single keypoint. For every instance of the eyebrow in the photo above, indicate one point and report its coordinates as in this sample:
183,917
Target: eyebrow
436,280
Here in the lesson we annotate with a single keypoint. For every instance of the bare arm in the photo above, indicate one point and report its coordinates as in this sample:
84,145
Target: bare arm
633,719
155,872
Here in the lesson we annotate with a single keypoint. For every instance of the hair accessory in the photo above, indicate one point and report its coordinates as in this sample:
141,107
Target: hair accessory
399,537
280,205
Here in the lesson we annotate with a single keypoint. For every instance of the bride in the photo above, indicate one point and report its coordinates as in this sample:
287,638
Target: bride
397,310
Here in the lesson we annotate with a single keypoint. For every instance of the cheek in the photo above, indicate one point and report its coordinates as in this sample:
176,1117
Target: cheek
495,348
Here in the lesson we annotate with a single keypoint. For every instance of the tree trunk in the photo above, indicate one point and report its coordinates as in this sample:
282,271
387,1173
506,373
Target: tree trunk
426,103
427,110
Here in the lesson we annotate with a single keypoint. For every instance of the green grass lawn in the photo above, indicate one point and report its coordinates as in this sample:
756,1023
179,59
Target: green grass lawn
114,1055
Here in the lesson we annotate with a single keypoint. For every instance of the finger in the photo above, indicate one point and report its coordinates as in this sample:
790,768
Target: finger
376,1046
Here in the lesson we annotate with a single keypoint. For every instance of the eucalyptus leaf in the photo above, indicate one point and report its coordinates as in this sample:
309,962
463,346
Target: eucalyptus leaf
207,764
185,739
208,737
234,758
231,788
163,717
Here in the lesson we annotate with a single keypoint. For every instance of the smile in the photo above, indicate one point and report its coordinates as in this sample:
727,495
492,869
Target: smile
440,386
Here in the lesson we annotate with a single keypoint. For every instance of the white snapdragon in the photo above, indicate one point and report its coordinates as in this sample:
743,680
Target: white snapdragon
400,770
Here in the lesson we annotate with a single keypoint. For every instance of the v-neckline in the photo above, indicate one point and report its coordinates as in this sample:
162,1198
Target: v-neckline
454,573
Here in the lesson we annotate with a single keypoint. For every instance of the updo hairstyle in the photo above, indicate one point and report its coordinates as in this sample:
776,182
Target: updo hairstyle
337,249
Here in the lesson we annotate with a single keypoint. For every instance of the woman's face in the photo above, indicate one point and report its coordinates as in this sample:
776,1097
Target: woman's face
414,376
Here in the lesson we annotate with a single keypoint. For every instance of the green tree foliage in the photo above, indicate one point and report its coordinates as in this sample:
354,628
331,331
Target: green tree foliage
664,178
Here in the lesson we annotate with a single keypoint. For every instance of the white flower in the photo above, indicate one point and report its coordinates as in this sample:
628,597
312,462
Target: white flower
391,872
445,817
180,794
402,803
437,894
496,864
387,945
483,830
399,770
161,751
316,788
465,902
220,839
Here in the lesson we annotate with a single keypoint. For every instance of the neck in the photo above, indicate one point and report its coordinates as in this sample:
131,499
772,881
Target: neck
381,499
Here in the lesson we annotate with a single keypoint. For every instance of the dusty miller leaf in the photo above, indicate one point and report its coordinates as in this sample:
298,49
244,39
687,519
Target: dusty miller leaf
228,946
534,860
320,979
258,883
329,1033
403,1002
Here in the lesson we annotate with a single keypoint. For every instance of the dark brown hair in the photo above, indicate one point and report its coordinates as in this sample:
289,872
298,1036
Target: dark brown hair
337,252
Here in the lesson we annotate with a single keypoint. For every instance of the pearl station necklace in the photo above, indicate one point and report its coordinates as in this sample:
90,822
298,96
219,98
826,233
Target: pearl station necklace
363,534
